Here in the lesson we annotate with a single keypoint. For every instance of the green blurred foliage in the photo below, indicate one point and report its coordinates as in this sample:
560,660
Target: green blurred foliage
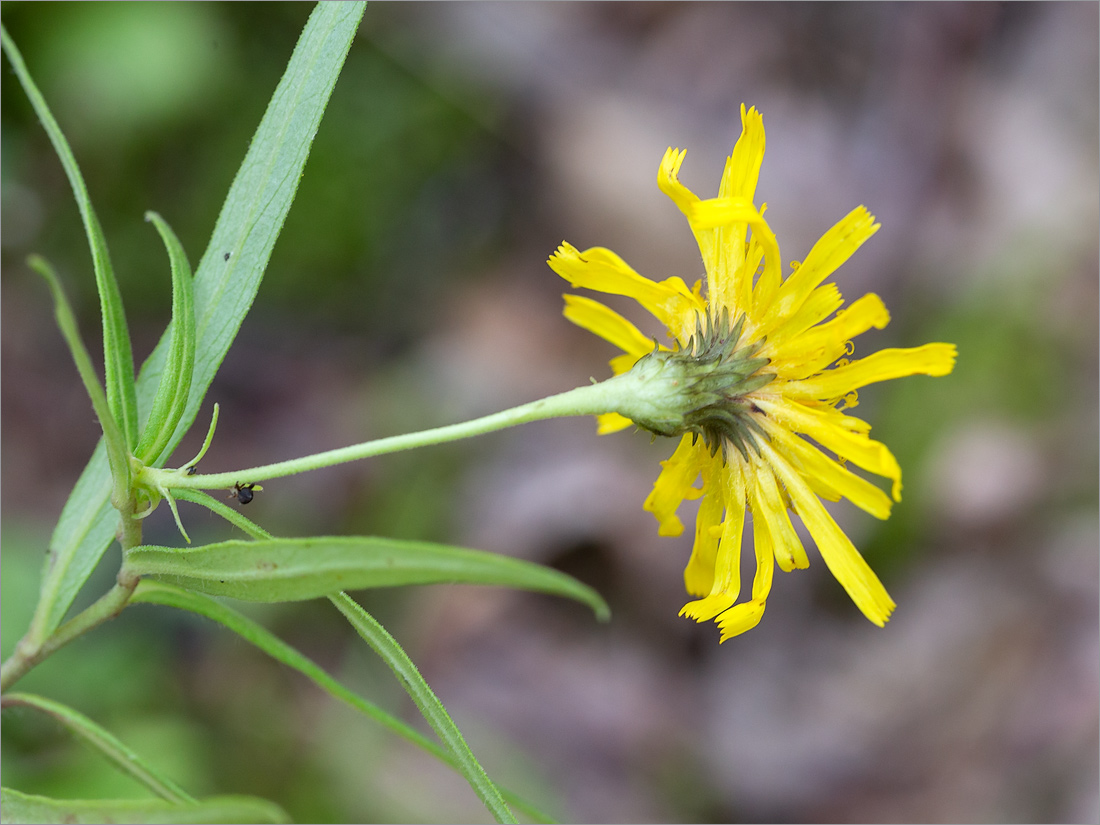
164,123
159,101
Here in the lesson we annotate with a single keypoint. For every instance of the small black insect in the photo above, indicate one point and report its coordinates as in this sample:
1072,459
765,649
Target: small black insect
192,469
225,257
242,492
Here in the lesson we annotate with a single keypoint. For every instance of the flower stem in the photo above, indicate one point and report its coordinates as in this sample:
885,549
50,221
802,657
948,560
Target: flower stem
592,399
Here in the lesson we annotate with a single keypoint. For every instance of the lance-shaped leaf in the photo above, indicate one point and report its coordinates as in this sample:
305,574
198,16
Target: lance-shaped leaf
105,742
285,570
179,365
117,451
247,228
150,592
371,632
118,358
21,807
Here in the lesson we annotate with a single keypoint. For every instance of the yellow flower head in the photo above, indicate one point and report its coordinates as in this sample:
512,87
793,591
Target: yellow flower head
757,365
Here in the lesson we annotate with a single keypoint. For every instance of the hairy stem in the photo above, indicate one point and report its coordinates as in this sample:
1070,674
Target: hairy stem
588,400
24,658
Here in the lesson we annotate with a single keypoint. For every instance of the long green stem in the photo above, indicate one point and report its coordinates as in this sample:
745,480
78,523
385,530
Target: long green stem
107,607
588,400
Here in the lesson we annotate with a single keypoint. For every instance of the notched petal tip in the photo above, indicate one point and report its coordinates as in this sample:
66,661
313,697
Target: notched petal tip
708,607
740,619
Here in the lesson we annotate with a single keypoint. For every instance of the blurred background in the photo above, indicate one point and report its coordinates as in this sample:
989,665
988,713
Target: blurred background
409,288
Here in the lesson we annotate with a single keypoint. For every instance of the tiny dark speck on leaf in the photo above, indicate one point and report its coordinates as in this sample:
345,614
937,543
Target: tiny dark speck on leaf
225,257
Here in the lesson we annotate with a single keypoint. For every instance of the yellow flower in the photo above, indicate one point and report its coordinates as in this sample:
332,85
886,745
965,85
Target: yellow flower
759,356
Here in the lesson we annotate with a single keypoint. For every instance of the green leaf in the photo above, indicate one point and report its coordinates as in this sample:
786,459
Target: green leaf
283,570
105,742
430,707
118,450
117,356
175,379
151,592
20,807
247,228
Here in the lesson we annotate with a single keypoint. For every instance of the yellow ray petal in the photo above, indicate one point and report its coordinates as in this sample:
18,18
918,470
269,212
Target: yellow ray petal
764,540
813,464
726,584
823,302
815,349
668,179
840,555
718,212
768,507
739,619
623,363
606,323
837,432
746,616
613,423
699,572
833,249
730,281
743,166
602,270
674,484
884,365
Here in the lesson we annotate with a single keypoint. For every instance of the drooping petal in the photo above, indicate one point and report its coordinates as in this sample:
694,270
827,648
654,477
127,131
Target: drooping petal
726,584
606,323
833,430
668,180
746,616
675,483
602,270
840,555
699,572
769,507
930,359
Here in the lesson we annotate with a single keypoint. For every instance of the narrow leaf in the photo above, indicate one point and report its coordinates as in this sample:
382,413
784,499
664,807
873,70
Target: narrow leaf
430,707
247,228
105,742
117,356
20,807
175,378
282,570
150,592
117,448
